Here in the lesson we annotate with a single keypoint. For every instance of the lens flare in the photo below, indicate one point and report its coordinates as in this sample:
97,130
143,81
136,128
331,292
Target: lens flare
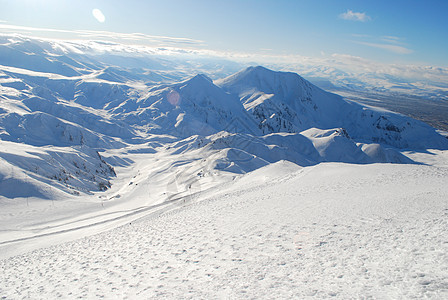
173,98
99,16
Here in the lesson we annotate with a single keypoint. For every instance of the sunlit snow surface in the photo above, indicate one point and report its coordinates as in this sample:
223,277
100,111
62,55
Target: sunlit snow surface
333,229
125,176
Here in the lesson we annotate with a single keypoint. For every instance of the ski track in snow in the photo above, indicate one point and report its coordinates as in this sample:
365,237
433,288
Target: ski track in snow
332,230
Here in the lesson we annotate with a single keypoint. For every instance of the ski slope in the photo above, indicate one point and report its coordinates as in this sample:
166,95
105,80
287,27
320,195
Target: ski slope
330,230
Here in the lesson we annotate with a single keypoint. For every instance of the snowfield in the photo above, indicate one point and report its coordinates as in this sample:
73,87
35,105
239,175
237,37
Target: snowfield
330,230
125,174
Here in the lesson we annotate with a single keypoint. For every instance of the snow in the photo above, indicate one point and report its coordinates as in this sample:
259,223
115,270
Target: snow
330,230
298,105
125,175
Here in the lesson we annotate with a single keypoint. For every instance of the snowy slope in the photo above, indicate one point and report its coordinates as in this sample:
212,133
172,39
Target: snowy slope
331,230
46,172
194,106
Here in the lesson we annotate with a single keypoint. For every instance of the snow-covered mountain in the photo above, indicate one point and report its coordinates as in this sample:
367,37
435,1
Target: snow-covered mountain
144,155
70,115
285,102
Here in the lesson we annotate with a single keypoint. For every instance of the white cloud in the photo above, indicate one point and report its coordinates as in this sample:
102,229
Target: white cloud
389,47
160,40
389,43
392,39
361,36
152,40
354,16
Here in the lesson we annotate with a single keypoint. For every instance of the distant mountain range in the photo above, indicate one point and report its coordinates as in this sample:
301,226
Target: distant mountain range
65,111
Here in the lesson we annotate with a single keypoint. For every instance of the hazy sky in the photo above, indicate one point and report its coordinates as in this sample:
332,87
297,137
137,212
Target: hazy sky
392,31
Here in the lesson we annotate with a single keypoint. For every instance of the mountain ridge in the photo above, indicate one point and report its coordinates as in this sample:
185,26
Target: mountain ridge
241,122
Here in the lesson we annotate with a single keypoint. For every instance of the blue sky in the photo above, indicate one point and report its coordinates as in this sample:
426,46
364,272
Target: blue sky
394,31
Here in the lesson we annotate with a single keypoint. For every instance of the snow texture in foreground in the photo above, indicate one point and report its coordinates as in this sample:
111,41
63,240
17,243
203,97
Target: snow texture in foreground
283,231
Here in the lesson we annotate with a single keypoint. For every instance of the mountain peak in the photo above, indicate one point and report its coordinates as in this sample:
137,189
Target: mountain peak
262,78
199,83
199,78
258,69
263,71
253,72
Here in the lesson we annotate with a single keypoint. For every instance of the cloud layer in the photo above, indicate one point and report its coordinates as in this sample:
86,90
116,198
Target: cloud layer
389,43
389,47
151,40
